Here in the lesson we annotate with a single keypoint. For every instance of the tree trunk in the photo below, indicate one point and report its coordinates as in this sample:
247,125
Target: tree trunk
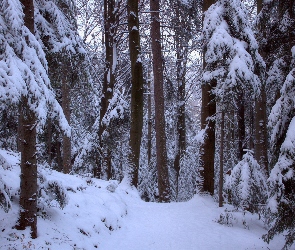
108,84
259,6
181,60
136,91
28,177
260,117
260,130
149,135
241,124
66,100
208,110
221,163
162,165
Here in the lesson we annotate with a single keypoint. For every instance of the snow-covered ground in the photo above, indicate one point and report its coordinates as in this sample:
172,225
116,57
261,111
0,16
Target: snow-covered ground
105,215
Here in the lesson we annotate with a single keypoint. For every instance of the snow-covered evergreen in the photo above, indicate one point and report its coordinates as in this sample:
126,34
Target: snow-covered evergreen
24,67
246,185
281,182
231,49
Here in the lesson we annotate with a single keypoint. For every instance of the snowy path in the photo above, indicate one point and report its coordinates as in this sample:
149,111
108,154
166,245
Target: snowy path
183,226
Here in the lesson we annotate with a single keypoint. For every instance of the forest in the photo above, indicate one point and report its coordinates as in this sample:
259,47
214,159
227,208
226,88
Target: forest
173,99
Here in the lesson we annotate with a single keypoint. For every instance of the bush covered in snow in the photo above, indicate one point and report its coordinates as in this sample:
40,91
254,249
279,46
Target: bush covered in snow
246,186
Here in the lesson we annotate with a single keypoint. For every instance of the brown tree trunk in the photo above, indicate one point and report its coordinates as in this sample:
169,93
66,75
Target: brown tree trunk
259,6
181,72
49,141
66,146
136,91
241,124
208,110
28,177
260,130
162,165
221,163
149,135
108,85
260,117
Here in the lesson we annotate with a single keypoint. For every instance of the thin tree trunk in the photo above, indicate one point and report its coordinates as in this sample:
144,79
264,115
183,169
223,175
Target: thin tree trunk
136,91
49,141
66,145
260,130
241,124
149,135
28,177
162,165
181,72
221,163
108,84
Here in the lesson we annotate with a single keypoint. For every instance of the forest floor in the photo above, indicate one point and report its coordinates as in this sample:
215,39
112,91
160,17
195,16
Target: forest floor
110,216
191,225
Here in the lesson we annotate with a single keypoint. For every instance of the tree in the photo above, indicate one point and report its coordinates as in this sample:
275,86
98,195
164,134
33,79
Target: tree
231,60
260,119
56,30
282,179
136,90
161,152
28,122
110,30
276,37
208,110
29,86
247,184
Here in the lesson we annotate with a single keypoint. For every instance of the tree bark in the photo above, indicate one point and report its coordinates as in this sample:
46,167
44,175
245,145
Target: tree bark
102,168
221,163
162,165
181,60
149,135
136,91
28,122
66,100
260,117
208,110
241,124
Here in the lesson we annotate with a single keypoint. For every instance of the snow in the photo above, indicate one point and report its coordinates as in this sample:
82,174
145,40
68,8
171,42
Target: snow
107,215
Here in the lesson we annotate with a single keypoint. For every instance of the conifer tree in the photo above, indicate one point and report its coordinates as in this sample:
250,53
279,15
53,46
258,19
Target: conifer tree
27,85
161,147
231,58
282,178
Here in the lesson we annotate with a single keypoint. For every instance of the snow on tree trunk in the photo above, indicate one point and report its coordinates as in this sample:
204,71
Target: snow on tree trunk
28,123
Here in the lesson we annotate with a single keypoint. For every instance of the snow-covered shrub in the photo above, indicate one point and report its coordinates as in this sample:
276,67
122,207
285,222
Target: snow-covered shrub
5,202
51,193
246,186
226,218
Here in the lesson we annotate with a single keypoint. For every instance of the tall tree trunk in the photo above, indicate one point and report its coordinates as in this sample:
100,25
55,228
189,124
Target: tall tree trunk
108,85
162,165
136,90
221,162
66,100
149,135
260,117
28,177
208,110
181,60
